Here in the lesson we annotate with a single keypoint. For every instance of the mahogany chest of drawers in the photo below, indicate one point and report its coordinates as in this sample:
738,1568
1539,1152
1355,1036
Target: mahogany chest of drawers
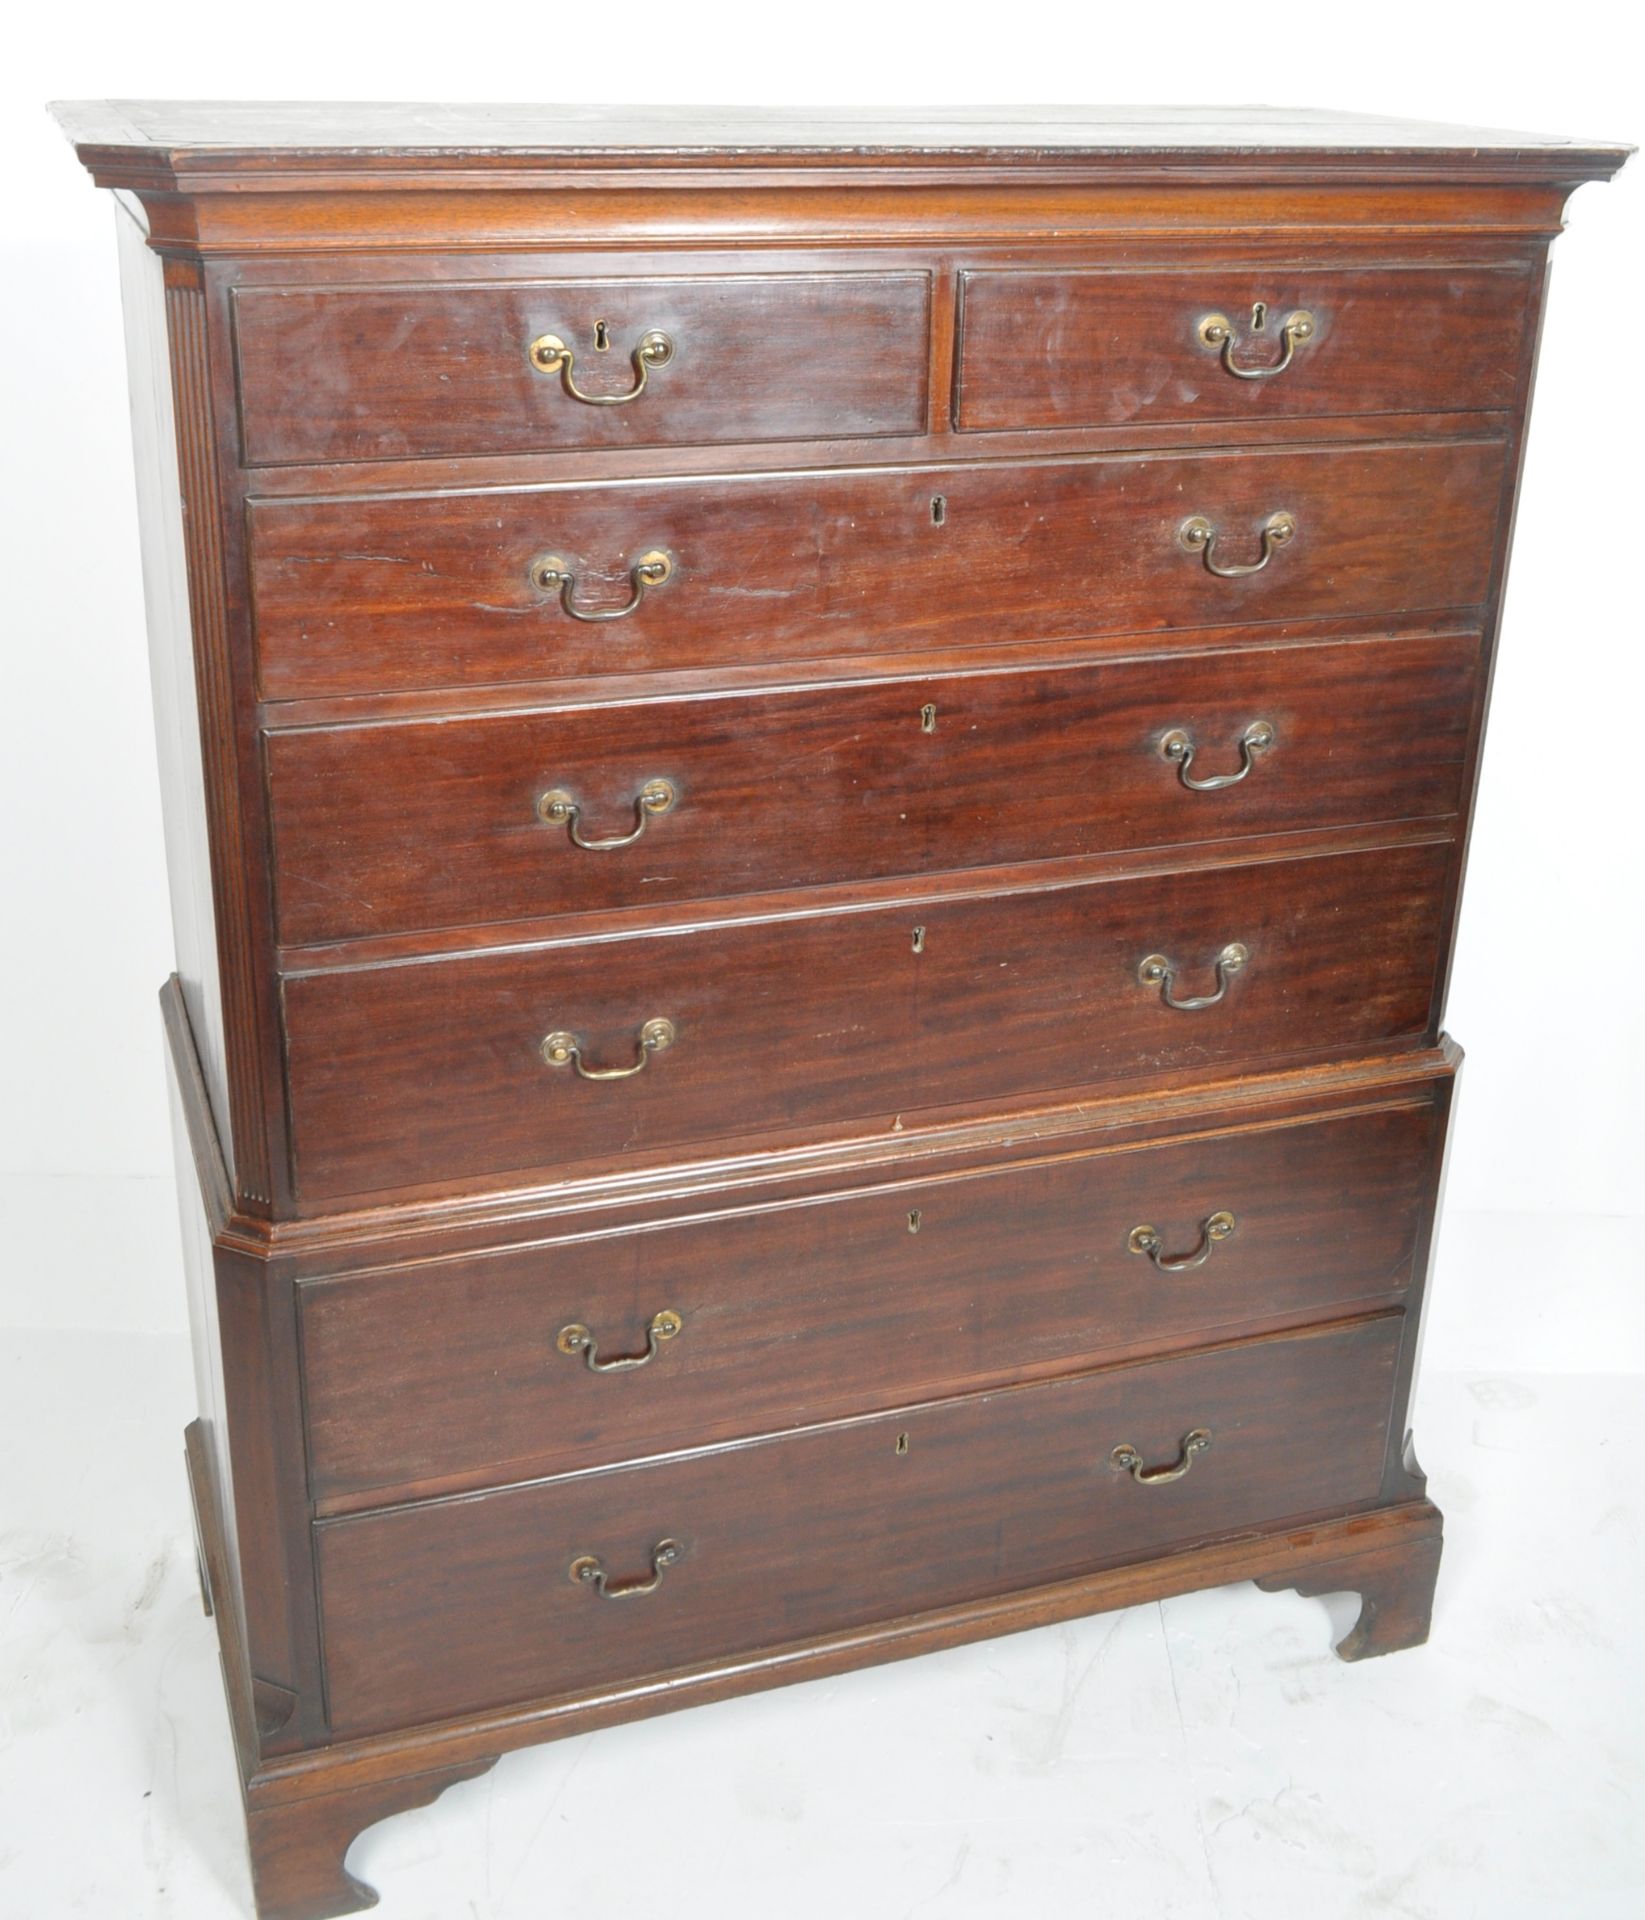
817,773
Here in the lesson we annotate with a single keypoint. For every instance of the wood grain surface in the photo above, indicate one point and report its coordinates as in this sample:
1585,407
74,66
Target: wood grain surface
793,1314
454,1605
1082,349
832,784
418,371
436,590
407,1073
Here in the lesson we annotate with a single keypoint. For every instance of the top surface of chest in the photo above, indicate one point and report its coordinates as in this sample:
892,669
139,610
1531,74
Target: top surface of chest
231,133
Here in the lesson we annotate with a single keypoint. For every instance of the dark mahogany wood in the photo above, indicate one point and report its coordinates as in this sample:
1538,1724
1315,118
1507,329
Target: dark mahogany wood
296,1842
935,417
1089,349
1395,1581
436,590
402,1074
298,1847
830,784
1392,1550
794,1314
969,1496
418,371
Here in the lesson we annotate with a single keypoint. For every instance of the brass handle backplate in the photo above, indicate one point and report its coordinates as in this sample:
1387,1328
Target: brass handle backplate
1146,1240
588,1570
1178,747
1215,332
1199,535
576,1338
566,1050
548,353
1157,971
552,574
558,809
1126,1459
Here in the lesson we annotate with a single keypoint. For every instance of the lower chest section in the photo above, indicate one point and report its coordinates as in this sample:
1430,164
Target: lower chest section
584,1582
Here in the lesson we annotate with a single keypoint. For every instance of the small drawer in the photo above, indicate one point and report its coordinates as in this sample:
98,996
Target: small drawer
580,809
380,593
1215,343
438,1069
630,1345
566,1586
416,372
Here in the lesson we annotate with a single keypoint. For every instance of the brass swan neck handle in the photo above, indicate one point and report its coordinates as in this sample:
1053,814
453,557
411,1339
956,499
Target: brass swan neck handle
1157,971
1216,332
548,353
1126,1459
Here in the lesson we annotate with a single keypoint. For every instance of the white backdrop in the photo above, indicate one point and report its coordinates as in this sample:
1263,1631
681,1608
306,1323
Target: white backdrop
1550,975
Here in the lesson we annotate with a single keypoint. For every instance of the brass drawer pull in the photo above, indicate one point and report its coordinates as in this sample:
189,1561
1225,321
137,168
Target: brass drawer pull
588,1570
558,809
1198,535
1178,746
577,1339
548,353
1146,1240
1157,971
552,574
1215,332
566,1050
1126,1459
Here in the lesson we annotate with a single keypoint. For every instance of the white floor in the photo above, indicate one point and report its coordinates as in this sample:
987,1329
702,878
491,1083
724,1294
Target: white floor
1208,1759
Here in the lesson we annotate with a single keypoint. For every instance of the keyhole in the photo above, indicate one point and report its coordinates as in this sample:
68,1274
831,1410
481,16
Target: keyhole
1259,316
902,1443
928,717
914,1219
602,337
939,509
919,944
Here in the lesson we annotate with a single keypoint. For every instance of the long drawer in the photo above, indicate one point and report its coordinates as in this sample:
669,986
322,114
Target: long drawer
1066,348
409,1073
619,1346
383,592
450,822
455,1605
382,373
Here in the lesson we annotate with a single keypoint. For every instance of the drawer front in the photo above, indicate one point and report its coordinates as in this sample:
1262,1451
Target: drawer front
793,789
461,1604
446,590
1042,350
394,373
409,1073
784,1316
